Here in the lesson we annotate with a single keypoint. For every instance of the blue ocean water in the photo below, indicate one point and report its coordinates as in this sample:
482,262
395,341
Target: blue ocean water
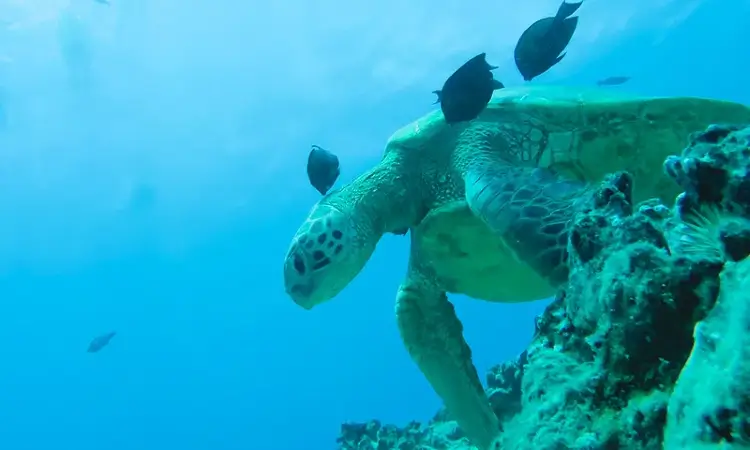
152,174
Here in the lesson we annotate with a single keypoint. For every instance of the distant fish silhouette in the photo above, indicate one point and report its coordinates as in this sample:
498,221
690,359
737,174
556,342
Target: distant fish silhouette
612,81
322,169
540,46
142,197
103,2
468,90
100,342
75,40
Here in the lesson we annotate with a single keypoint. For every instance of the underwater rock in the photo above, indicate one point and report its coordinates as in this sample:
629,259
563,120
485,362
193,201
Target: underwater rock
608,349
375,436
648,344
504,387
710,404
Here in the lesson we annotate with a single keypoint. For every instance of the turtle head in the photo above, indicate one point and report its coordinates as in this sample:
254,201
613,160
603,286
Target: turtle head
326,253
340,234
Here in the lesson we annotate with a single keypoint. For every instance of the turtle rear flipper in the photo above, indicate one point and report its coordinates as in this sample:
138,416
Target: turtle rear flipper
531,209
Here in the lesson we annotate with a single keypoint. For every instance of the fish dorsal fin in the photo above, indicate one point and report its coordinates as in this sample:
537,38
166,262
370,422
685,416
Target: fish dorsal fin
479,59
566,10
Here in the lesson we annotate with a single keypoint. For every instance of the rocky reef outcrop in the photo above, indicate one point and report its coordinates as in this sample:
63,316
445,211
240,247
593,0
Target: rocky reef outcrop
648,345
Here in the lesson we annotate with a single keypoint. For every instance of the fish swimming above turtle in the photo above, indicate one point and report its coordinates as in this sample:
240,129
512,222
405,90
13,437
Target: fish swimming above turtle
489,206
467,91
541,46
323,169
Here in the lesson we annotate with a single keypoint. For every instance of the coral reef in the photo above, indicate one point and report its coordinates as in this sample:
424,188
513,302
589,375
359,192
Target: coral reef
648,344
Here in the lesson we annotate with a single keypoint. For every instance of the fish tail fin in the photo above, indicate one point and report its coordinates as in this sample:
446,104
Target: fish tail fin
566,10
439,94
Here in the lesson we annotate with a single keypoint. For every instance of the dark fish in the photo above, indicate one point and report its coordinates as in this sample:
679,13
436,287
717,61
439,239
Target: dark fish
612,81
100,342
540,46
322,169
468,90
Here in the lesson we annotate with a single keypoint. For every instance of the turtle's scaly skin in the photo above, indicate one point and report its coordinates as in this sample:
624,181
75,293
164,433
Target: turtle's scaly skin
488,204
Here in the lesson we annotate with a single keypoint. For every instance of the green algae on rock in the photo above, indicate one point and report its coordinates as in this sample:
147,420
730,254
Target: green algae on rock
710,404
646,346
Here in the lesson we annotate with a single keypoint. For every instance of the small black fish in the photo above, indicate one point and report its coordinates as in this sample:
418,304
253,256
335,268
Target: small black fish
468,90
100,342
322,169
540,46
612,81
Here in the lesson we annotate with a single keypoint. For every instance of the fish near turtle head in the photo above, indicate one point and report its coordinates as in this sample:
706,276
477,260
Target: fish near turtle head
341,231
323,169
332,246
337,238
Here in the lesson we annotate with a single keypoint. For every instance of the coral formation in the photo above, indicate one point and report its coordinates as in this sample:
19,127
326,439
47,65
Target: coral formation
648,344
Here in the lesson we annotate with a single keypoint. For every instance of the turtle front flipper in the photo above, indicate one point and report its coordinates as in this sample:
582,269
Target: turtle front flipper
433,336
530,208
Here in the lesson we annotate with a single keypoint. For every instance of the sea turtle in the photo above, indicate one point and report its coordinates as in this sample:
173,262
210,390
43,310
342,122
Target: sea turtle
487,206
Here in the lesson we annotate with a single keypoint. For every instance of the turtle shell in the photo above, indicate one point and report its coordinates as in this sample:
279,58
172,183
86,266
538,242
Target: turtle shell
583,134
